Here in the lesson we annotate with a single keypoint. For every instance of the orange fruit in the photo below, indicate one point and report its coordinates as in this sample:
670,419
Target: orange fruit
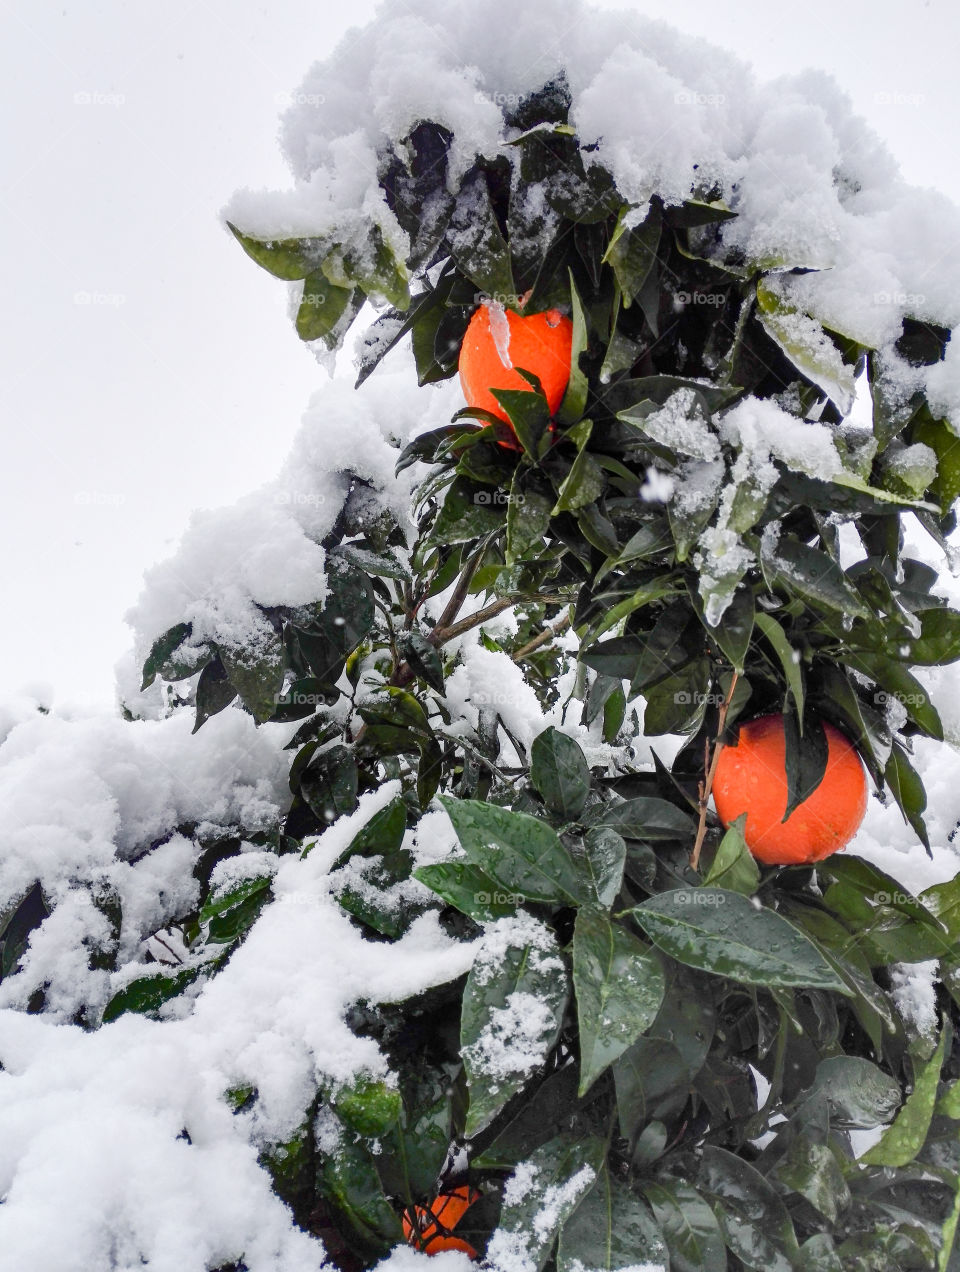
437,1221
751,778
495,345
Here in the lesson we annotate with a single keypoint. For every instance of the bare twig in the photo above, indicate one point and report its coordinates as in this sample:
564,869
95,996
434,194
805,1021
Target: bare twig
547,634
710,772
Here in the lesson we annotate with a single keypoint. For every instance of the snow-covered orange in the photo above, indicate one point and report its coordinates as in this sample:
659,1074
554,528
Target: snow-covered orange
498,341
751,778
437,1221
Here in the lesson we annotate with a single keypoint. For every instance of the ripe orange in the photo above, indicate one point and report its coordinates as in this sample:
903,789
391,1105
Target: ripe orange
437,1221
751,778
495,344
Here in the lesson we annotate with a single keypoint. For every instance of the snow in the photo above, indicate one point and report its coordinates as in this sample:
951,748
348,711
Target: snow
95,1170
913,990
92,1166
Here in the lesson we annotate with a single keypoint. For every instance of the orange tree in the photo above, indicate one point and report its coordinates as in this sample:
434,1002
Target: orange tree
675,1041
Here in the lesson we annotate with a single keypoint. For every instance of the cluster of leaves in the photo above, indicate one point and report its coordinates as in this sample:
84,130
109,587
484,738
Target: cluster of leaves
658,993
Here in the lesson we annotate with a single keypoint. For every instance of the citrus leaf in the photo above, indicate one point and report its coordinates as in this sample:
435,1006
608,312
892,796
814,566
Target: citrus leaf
619,985
688,1225
722,932
501,1041
559,772
560,1173
523,853
900,1142
611,1230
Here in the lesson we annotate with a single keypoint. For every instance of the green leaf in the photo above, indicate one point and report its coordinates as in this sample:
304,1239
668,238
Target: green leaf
257,678
604,858
811,1169
381,836
878,887
753,1218
582,485
789,657
734,631
496,1003
214,691
895,681
650,1071
943,441
734,867
807,346
678,702
813,576
688,1224
468,888
348,1179
722,932
938,642
368,1106
805,760
575,397
329,783
559,772
322,308
553,1103
424,659
465,515
900,1142
523,853
560,1173
476,243
23,917
148,994
857,1092
633,252
611,1230
619,985
289,259
644,817
161,651
224,902
529,414
528,519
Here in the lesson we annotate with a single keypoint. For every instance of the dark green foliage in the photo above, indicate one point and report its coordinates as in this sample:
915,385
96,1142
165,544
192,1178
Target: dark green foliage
656,994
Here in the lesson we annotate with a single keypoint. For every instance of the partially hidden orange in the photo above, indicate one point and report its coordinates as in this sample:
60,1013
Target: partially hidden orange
751,778
437,1221
498,341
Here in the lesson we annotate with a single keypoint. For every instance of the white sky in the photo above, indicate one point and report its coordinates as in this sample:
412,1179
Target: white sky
148,368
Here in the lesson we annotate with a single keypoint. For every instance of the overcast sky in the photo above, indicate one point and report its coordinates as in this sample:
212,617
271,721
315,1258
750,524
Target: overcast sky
147,367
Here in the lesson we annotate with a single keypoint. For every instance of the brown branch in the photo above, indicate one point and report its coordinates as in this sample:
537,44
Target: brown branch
710,772
547,634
